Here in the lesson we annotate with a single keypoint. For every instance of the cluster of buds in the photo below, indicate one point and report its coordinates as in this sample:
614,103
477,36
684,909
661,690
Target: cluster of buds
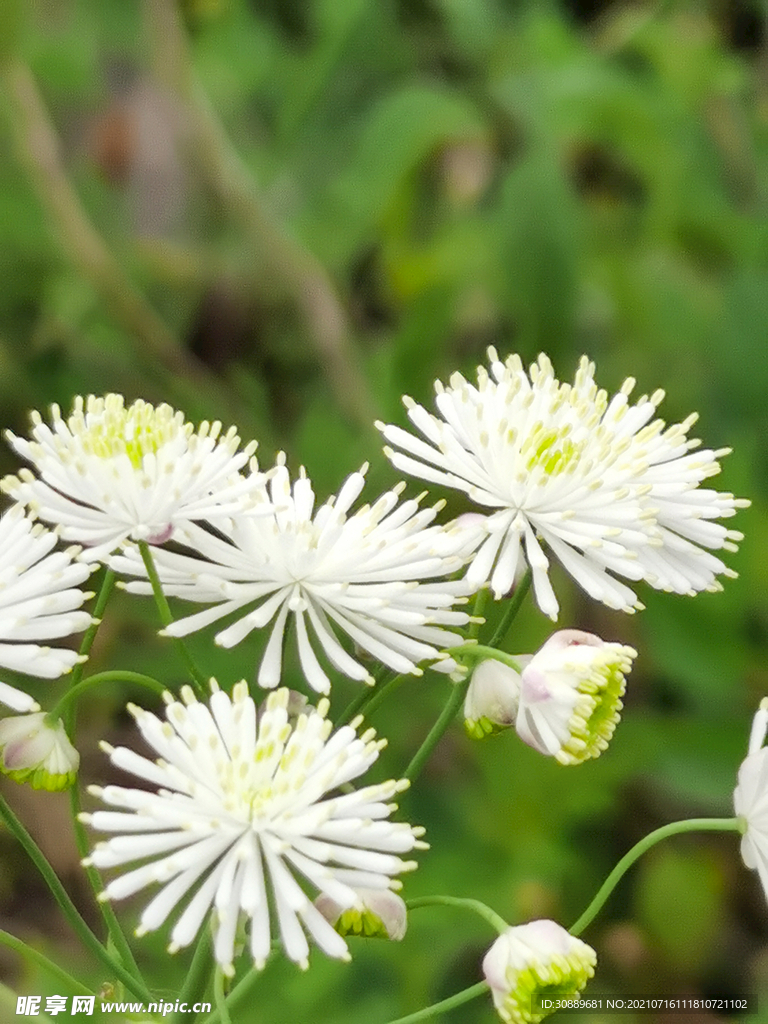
564,702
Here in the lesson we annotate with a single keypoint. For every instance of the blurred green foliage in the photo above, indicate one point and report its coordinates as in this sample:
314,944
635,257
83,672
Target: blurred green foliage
450,173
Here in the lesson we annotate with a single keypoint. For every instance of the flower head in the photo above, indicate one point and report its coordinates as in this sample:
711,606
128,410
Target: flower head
750,798
37,751
534,961
40,599
109,472
570,695
493,698
601,482
359,573
246,808
378,914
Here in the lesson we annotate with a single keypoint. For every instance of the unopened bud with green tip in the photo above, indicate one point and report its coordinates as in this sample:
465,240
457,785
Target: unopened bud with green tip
36,750
533,962
570,695
378,913
493,698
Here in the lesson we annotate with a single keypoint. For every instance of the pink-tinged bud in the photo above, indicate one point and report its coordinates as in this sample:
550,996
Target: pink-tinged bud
570,695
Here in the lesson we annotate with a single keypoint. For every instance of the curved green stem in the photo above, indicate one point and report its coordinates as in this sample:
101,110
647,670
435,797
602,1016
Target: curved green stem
445,1004
479,652
198,679
513,607
112,676
626,862
435,734
493,919
78,924
30,954
197,976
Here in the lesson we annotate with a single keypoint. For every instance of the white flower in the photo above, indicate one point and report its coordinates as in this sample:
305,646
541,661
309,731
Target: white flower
37,751
750,798
360,573
493,698
534,961
378,913
108,473
606,489
245,809
570,695
39,600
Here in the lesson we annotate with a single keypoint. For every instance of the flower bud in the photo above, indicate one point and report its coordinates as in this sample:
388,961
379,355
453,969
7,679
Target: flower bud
492,698
34,750
570,695
379,913
535,960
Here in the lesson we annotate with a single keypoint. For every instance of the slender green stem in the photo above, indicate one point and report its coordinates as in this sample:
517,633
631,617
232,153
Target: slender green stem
199,680
359,702
32,955
444,1005
238,994
220,996
105,592
513,607
479,652
114,930
112,676
489,915
197,976
435,734
69,909
385,690
626,862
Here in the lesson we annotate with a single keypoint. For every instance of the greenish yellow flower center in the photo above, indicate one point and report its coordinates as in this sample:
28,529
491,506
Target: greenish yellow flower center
361,922
109,429
551,451
478,729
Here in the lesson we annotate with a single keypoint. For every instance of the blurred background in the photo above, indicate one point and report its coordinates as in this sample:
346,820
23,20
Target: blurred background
287,213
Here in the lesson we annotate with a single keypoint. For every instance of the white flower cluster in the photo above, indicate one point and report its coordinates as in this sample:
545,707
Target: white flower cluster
565,701
246,807
601,482
332,569
247,811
